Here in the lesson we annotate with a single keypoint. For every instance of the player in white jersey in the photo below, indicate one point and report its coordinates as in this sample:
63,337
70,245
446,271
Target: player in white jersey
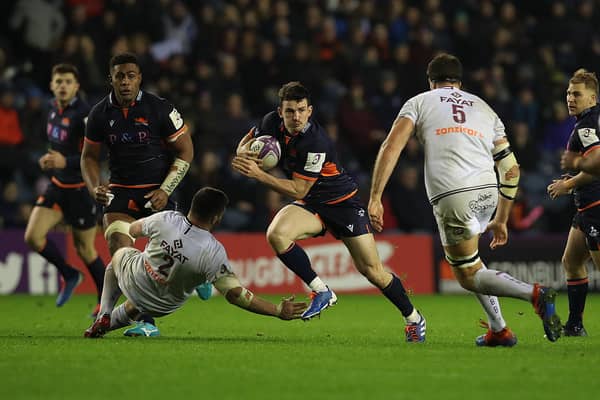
463,140
181,254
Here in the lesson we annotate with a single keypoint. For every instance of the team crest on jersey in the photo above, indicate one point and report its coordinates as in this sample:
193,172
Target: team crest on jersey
111,122
176,118
314,162
587,136
141,121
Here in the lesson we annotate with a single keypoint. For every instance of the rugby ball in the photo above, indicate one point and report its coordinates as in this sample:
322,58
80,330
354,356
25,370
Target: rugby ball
268,149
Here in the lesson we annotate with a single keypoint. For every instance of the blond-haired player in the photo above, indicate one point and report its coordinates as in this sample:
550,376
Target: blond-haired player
583,241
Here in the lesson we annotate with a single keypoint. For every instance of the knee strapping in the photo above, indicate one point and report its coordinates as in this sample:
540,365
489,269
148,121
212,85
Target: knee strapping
463,261
118,227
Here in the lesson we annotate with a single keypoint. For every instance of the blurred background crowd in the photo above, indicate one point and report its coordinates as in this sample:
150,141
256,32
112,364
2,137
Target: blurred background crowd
221,63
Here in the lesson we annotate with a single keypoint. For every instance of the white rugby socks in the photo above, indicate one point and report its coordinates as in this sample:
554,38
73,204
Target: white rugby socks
496,283
110,292
119,318
317,285
491,306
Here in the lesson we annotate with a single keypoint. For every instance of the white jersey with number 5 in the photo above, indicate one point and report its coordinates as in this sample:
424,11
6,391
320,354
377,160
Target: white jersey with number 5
178,257
457,130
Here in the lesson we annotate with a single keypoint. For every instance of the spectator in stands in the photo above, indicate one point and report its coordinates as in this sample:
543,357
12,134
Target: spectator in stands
11,135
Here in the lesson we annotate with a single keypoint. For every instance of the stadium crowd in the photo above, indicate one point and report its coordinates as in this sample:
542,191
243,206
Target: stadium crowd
221,62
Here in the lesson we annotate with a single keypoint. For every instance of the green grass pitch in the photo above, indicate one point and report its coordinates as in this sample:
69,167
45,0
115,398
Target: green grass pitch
356,350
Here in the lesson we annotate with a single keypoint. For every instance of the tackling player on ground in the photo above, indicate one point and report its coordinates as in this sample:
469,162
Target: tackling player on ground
463,139
325,199
181,254
66,196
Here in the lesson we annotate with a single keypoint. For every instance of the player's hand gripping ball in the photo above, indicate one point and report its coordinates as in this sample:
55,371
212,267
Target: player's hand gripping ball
268,150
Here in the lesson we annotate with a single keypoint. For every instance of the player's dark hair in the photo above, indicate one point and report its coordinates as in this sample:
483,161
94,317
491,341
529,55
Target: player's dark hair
123,58
293,91
589,79
65,68
208,202
445,68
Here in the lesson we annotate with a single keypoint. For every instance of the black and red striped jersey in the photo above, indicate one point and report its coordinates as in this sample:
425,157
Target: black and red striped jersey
585,137
65,129
136,137
310,155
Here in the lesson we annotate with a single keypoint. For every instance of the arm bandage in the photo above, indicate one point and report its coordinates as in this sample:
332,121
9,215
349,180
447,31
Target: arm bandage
225,283
178,170
508,170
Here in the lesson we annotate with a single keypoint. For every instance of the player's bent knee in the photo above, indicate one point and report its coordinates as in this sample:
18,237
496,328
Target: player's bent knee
467,261
121,227
34,242
278,240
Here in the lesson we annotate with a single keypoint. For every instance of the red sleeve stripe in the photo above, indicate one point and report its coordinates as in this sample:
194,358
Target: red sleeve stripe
91,141
329,169
177,134
591,149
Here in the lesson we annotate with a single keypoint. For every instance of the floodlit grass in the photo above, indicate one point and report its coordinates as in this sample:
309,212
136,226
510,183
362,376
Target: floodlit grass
355,351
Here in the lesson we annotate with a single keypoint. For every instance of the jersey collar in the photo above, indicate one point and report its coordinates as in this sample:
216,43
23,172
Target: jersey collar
586,112
112,102
56,105
304,130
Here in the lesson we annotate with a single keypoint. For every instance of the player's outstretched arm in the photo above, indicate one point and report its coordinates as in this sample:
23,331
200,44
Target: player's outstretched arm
238,295
388,155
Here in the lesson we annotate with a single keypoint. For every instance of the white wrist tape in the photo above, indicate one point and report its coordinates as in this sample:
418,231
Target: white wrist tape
508,170
245,298
178,170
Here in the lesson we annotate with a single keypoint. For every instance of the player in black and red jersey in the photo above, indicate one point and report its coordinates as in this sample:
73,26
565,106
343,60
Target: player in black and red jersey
581,156
149,153
66,196
325,199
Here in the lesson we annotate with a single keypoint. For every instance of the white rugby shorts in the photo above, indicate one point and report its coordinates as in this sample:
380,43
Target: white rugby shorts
463,215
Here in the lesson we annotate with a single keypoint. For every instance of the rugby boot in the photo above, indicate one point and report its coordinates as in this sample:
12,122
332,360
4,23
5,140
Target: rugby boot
575,329
320,301
142,329
543,302
204,291
505,338
415,331
99,327
67,289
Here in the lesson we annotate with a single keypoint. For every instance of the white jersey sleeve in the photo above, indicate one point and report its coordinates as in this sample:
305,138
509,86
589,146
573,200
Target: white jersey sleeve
409,110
